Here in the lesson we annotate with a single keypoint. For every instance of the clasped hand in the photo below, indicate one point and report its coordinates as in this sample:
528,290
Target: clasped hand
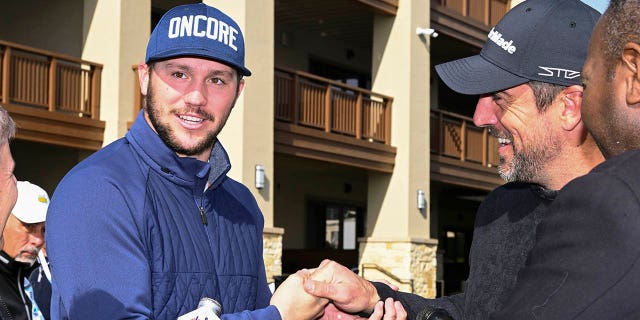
332,291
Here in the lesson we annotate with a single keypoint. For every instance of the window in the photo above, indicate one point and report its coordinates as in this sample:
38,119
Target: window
334,226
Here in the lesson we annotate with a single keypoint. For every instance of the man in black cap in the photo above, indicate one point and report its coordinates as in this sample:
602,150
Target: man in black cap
528,79
586,261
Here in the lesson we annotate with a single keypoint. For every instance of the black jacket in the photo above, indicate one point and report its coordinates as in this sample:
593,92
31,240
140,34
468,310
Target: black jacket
503,235
586,261
14,302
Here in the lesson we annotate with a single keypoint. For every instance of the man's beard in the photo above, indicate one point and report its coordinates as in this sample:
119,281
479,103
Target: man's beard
167,135
30,261
527,166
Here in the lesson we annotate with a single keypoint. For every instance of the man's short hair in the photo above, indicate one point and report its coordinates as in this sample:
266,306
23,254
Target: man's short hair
7,126
545,93
621,25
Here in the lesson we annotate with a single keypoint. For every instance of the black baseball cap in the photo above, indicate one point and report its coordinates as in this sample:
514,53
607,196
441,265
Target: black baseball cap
543,40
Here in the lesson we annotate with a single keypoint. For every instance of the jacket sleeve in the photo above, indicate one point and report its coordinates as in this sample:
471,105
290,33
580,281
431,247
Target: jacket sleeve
91,233
414,303
586,261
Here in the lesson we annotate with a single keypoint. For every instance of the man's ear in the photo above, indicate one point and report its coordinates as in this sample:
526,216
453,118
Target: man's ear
572,103
143,78
631,62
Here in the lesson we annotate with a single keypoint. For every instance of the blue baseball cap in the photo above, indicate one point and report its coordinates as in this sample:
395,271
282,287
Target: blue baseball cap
542,40
201,31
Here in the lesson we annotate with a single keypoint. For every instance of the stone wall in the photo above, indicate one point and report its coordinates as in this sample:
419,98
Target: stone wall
411,261
272,254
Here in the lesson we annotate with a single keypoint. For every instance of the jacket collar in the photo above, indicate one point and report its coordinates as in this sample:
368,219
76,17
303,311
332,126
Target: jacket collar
162,159
10,265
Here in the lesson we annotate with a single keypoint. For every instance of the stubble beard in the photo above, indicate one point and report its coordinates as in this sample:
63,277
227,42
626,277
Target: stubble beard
29,261
167,134
528,166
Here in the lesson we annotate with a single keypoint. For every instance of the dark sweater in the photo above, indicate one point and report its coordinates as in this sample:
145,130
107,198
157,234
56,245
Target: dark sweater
503,235
14,303
586,260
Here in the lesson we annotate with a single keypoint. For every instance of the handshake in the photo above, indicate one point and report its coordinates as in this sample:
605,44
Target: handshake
331,291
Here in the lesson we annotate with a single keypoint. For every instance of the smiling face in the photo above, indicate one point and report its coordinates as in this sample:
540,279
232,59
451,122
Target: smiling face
526,135
188,101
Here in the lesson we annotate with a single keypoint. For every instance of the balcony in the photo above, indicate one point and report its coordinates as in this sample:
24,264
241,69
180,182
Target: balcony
327,120
322,119
462,153
53,98
467,20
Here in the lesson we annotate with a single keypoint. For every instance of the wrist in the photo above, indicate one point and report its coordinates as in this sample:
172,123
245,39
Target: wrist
374,297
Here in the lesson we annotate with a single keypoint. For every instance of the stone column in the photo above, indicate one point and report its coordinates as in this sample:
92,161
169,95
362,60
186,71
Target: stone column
272,244
248,134
397,231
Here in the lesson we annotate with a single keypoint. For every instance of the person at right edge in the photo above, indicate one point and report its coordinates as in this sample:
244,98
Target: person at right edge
586,260
528,79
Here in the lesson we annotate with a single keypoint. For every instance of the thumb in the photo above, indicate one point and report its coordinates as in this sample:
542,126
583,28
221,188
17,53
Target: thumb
318,288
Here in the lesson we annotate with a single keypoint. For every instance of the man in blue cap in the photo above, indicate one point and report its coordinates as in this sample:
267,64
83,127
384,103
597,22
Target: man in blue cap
151,224
528,79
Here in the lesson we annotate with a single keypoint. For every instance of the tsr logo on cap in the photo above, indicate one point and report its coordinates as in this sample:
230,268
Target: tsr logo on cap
201,31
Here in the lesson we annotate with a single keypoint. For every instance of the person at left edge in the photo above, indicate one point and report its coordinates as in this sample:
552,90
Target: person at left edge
148,225
24,237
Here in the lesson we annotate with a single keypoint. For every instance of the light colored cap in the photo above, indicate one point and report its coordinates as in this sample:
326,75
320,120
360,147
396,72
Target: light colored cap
32,203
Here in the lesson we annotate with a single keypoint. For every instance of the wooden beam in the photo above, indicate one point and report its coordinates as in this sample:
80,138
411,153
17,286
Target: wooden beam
56,128
387,7
335,148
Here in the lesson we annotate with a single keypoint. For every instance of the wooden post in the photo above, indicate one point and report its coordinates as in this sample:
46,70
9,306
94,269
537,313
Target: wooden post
387,121
463,141
53,85
327,109
295,98
96,76
359,116
137,96
485,146
6,75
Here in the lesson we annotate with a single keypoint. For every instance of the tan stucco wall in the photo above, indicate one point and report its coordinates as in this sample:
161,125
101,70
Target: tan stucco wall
50,25
116,34
515,3
298,46
401,70
397,231
299,180
248,134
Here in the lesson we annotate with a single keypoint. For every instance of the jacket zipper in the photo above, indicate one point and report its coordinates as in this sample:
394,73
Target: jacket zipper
203,217
22,293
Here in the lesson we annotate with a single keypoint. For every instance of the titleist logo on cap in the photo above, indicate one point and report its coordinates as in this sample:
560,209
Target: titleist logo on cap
203,26
496,37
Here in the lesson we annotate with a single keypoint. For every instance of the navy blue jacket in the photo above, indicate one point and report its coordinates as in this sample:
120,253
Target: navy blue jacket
126,238
586,260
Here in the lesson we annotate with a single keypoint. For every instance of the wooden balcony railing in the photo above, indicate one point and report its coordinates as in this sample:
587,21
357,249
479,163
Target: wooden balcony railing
307,100
487,12
49,81
455,136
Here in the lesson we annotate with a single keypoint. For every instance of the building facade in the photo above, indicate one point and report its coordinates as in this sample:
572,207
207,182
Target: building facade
367,158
